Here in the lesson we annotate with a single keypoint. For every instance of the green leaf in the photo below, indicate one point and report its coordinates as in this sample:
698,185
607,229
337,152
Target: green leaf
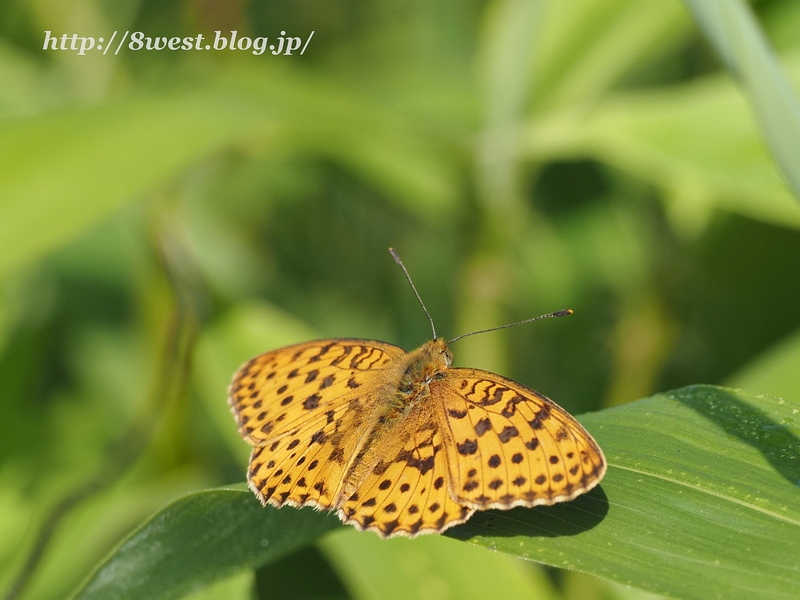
429,566
696,141
735,33
584,47
61,172
700,501
202,538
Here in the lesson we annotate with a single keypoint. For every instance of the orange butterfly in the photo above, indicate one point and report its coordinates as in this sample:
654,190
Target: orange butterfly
399,442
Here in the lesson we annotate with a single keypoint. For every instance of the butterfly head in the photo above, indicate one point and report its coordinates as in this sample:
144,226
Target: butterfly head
424,365
440,352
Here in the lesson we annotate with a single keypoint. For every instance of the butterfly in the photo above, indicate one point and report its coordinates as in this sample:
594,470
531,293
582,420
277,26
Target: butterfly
402,443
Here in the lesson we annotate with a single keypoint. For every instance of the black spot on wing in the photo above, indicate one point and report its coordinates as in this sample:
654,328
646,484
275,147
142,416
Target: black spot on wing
311,402
483,426
457,414
467,447
509,431
470,485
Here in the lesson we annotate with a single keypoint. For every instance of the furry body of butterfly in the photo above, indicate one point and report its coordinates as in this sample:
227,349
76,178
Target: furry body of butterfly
401,443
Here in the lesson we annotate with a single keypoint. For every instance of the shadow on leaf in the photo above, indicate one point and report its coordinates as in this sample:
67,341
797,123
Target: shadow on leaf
565,519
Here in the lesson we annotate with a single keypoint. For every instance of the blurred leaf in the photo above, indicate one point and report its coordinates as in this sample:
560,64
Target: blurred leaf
584,47
429,567
735,33
701,482
773,371
97,159
392,151
579,586
17,513
303,575
200,539
92,529
696,141
781,22
33,88
100,158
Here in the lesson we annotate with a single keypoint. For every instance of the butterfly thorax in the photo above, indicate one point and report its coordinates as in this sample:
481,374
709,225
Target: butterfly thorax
416,372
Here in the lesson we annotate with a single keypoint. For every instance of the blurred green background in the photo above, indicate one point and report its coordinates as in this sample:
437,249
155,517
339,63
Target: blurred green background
166,215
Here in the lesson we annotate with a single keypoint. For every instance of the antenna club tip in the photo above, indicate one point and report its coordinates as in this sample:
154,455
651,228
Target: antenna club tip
563,313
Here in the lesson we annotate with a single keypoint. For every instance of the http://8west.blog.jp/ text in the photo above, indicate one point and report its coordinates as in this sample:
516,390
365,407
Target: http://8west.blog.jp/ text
282,45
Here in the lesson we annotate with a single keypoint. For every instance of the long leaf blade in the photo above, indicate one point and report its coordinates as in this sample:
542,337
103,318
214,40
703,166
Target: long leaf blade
200,539
734,32
700,501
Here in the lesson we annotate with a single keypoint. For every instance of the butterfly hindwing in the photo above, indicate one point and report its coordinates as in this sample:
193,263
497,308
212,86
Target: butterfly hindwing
510,446
307,465
406,492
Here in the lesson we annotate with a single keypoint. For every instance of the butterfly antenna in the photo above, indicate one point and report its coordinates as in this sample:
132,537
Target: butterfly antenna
558,313
396,258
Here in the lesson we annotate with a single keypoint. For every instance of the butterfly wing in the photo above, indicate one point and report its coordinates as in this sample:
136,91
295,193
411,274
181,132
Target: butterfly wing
276,392
406,490
303,407
511,446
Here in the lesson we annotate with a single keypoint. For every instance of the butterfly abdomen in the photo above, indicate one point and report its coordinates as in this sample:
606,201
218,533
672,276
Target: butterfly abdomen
410,385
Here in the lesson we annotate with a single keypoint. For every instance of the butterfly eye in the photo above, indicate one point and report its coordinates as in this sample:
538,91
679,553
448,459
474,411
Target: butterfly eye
448,357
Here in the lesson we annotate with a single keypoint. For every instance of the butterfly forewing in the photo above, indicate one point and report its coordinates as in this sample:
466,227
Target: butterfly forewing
511,446
275,392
